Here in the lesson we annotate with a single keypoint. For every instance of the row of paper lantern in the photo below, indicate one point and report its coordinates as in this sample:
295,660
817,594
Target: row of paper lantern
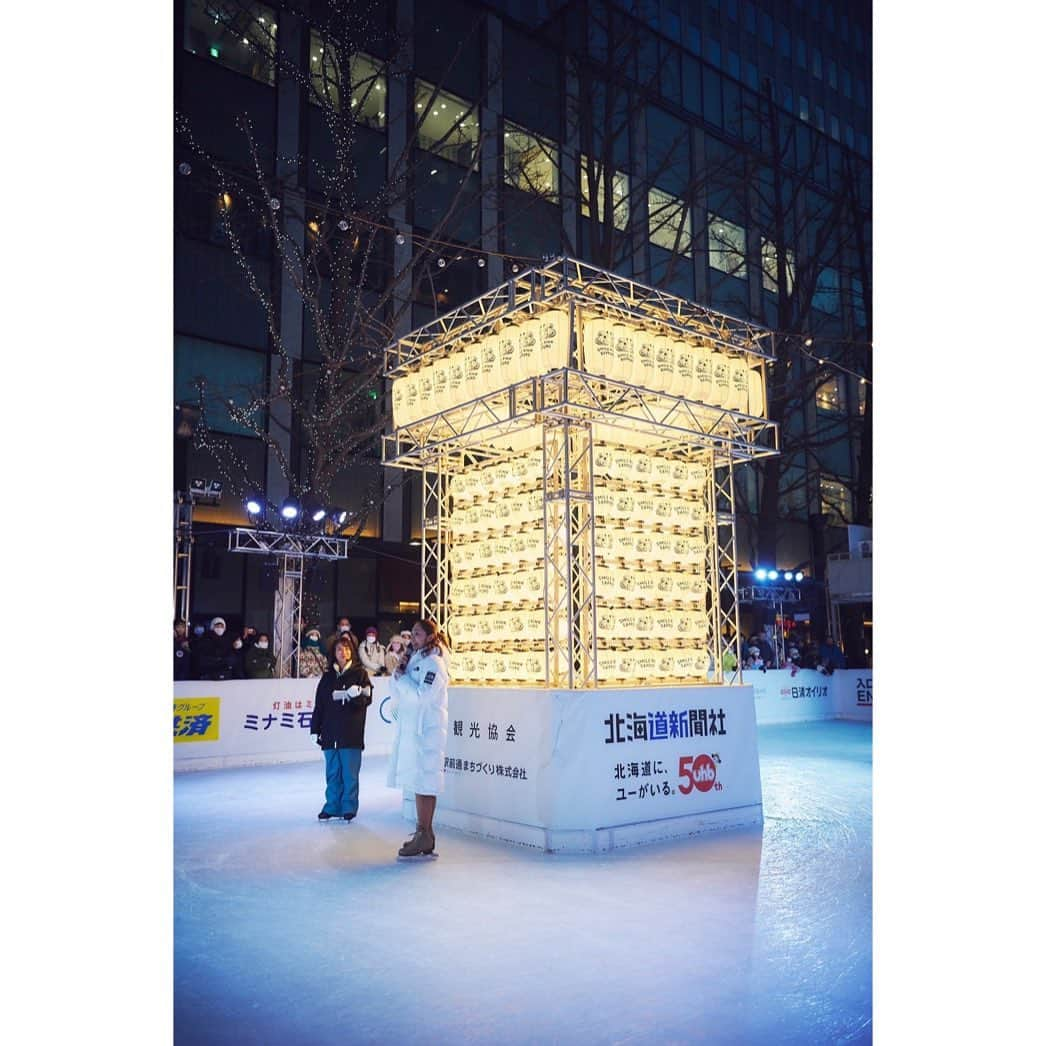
643,548
610,461
616,508
620,351
515,668
638,587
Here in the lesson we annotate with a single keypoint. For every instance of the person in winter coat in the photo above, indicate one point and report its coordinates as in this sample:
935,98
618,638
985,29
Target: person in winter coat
339,716
394,654
419,687
344,625
212,653
258,660
312,661
182,657
372,653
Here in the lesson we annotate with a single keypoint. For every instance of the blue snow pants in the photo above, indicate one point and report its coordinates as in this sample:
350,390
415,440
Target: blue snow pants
343,780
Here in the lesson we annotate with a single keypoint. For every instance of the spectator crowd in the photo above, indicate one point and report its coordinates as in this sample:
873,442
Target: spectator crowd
211,651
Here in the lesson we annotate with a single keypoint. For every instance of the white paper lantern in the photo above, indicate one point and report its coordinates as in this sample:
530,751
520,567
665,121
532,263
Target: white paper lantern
625,545
645,626
473,359
683,374
645,548
641,467
664,363
666,588
645,372
607,666
646,666
508,354
426,401
624,352
756,398
720,379
440,385
602,460
399,402
738,384
555,340
662,549
606,625
703,383
661,474
621,464
535,667
457,389
646,585
599,346
529,349
489,365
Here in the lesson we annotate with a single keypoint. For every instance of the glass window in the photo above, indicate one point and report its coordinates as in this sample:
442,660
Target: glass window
752,76
849,137
858,39
242,37
447,125
844,28
786,97
860,316
847,84
862,144
669,220
750,18
769,256
862,397
231,376
833,80
829,17
726,246
366,85
714,53
733,64
826,293
767,25
531,163
800,52
784,41
731,10
835,127
862,100
620,191
819,117
817,63
804,107
836,501
829,395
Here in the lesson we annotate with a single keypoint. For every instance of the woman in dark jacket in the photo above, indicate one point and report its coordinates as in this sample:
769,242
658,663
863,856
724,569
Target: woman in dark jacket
339,716
258,660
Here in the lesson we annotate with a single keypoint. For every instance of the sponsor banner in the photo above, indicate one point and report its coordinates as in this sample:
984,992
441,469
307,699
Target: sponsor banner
248,722
197,719
852,692
583,760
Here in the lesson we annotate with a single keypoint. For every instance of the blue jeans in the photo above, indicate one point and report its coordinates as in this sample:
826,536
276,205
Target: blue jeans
343,780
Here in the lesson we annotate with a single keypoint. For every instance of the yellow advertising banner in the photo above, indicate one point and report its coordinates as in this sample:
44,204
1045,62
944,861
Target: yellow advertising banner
196,718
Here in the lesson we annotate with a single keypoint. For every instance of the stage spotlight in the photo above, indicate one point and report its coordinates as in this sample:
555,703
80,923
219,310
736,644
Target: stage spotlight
772,575
788,575
198,487
254,504
318,514
799,575
290,509
760,574
339,515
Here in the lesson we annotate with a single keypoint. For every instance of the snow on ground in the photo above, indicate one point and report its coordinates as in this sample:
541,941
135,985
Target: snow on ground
289,930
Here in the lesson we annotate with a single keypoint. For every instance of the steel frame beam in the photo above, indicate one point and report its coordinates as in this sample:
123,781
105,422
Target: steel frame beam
435,543
183,542
725,609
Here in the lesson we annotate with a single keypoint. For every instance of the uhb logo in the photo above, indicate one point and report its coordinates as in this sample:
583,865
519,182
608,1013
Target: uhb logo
703,773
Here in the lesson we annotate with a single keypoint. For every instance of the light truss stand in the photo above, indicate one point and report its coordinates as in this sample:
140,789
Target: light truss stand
183,540
291,551
435,553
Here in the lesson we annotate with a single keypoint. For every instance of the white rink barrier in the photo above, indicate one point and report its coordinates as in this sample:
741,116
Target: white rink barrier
807,695
257,722
588,771
254,722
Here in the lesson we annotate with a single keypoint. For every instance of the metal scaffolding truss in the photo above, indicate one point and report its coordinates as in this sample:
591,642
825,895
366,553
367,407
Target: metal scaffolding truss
570,555
724,608
768,594
291,551
435,550
183,540
561,283
485,425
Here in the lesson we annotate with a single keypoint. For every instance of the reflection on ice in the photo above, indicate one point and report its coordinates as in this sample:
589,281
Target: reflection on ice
290,930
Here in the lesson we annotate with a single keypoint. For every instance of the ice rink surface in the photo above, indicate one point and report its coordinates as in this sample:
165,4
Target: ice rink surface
292,931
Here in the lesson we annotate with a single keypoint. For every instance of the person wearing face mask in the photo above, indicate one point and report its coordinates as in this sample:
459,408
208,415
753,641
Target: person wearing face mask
213,653
258,662
344,626
372,653
339,717
236,655
312,662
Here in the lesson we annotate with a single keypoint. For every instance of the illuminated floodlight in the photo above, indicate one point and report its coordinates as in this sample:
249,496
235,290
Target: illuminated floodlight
760,574
254,504
290,509
799,575
788,575
772,575
340,516
318,514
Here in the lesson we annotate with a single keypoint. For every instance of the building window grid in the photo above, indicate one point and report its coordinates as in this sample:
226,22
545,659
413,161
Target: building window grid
367,82
829,396
726,247
447,125
620,190
836,500
243,40
531,163
668,218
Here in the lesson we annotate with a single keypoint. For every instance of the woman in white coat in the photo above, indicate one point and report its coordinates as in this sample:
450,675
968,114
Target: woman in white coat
419,686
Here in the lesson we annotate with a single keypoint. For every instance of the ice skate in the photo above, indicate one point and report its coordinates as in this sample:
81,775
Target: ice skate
422,843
